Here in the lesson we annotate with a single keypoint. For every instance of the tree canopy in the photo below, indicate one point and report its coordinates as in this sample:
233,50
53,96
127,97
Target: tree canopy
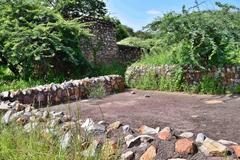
36,41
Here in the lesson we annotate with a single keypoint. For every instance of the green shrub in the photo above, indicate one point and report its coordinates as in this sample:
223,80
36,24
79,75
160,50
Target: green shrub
36,42
209,85
97,91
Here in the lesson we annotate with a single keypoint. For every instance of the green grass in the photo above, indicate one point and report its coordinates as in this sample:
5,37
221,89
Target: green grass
16,144
10,82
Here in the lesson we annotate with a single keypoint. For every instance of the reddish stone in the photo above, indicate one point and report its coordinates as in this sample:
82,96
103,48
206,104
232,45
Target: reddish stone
165,134
236,150
185,146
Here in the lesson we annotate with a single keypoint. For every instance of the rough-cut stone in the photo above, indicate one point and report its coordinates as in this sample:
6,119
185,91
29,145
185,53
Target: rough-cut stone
147,130
225,142
186,135
129,155
30,126
42,96
150,153
87,124
4,107
236,149
65,140
185,146
200,138
22,120
138,140
213,148
165,134
91,150
114,126
6,117
19,107
177,159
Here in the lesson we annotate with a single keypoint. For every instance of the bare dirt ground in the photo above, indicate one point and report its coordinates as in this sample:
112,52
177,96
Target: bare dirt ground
216,116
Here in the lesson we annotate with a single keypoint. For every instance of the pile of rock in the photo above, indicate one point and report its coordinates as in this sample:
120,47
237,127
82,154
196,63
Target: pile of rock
73,90
144,143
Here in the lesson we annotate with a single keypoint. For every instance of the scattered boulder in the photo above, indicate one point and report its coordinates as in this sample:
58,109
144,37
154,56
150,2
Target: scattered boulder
150,153
186,135
165,134
6,117
147,130
185,146
114,126
236,149
228,143
200,138
213,148
129,155
138,140
65,140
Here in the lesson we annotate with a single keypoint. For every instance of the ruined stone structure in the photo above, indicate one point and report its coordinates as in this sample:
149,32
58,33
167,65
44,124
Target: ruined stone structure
103,48
53,94
229,75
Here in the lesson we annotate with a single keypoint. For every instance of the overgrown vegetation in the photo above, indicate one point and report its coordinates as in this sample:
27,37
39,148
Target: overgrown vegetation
40,42
17,144
198,40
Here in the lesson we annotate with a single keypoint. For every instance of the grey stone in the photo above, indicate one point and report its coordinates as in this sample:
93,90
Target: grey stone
200,138
6,117
88,124
129,155
225,142
91,150
16,115
138,140
65,140
30,126
186,135
126,129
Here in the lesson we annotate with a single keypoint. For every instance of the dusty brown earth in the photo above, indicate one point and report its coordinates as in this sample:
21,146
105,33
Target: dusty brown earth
216,116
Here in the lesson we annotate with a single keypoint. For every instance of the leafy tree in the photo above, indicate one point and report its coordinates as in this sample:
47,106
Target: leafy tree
207,38
78,8
35,41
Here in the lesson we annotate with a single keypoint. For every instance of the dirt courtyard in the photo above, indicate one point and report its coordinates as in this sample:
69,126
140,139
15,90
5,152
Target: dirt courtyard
216,116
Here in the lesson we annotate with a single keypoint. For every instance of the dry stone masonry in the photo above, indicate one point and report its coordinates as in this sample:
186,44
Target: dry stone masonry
230,75
73,90
121,140
103,47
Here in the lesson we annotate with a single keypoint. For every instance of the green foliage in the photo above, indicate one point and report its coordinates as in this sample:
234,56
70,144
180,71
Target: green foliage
122,31
209,85
17,144
35,41
97,91
110,68
208,37
138,42
77,8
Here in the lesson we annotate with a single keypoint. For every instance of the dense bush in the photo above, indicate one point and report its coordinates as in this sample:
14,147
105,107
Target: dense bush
197,40
35,41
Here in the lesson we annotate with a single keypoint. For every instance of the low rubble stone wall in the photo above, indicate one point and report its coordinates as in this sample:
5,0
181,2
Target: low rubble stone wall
229,75
53,94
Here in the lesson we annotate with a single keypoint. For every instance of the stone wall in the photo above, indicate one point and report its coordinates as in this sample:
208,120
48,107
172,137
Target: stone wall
129,54
102,47
230,75
53,94
103,44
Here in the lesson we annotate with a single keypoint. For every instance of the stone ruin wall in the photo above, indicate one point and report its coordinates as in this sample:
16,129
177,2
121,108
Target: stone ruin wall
74,90
105,42
230,75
